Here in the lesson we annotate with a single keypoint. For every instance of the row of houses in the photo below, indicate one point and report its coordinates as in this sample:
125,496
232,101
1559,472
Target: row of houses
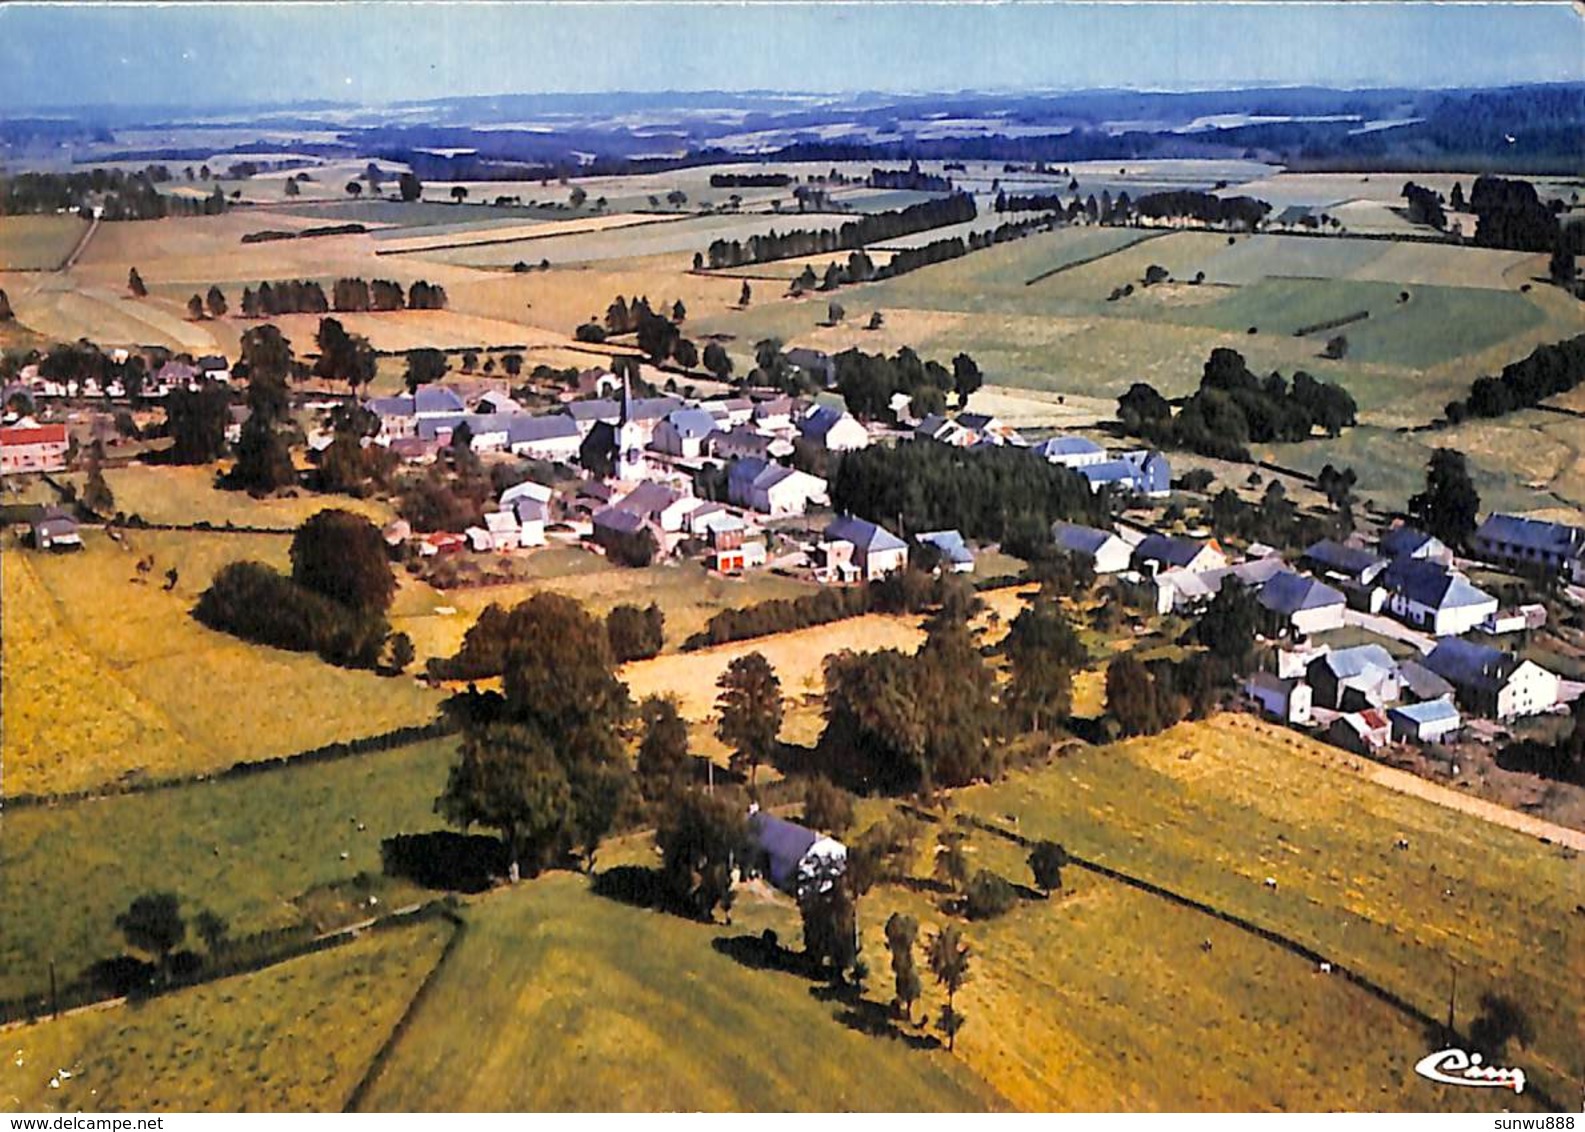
1136,471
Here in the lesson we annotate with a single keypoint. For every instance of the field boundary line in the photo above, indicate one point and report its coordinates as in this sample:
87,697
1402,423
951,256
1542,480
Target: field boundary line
1364,982
533,239
1060,268
382,1056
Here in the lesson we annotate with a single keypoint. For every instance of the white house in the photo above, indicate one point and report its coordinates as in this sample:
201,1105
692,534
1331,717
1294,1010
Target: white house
684,433
858,550
772,489
955,553
1288,700
1429,596
1301,605
833,430
1160,553
528,489
1103,550
1071,452
1491,682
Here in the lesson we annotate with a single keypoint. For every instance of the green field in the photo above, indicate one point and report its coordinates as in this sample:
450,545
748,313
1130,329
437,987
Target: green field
38,243
108,676
293,1038
560,1000
247,848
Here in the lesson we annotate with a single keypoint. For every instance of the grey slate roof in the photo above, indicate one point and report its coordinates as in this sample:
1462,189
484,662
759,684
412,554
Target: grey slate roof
1288,593
1432,585
1422,682
616,519
1543,537
524,429
950,543
1058,446
862,534
1356,661
1404,542
1079,539
1169,550
692,424
1427,711
1469,665
1347,560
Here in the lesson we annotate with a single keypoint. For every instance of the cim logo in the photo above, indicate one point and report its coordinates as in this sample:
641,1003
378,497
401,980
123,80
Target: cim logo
1456,1067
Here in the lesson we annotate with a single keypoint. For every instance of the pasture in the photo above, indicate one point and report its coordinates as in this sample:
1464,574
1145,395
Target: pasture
294,1037
557,1000
187,495
1210,809
38,243
110,677
262,850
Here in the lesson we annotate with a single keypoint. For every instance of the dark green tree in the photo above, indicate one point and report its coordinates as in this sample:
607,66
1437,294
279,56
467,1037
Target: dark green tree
827,807
750,710
343,556
663,756
902,932
154,925
1449,505
1046,862
424,366
949,961
699,838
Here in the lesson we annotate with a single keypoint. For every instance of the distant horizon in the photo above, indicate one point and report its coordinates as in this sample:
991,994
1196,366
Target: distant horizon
197,58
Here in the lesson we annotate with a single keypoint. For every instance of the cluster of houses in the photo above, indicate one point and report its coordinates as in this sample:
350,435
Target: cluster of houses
1362,696
165,374
1137,471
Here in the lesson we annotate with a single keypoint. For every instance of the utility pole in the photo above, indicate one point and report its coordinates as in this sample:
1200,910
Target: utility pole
55,1003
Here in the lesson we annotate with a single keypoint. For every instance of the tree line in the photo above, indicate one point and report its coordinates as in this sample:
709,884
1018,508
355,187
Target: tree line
1549,369
868,382
911,179
633,632
750,180
1233,408
987,493
955,209
120,194
1510,214
347,295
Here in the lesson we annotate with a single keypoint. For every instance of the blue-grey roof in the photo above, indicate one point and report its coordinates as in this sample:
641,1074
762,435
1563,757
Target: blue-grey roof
975,421
1422,682
1469,665
1532,534
437,399
950,543
648,498
819,421
477,423
1349,560
599,409
692,424
1427,711
616,519
1067,446
1079,539
1288,593
784,844
524,429
390,406
1356,661
1405,541
652,408
862,534
1432,585
1168,549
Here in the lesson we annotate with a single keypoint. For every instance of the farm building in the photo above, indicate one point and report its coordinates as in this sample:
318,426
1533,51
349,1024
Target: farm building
1070,452
657,504
1429,596
791,856
624,533
833,430
55,530
1160,553
1103,550
1420,683
955,553
28,447
776,414
986,429
1336,560
729,412
857,550
1430,721
772,489
501,531
1493,683
1521,543
1300,605
551,437
1363,732
1404,541
1353,679
743,443
1143,473
683,433
528,489
531,515
1288,700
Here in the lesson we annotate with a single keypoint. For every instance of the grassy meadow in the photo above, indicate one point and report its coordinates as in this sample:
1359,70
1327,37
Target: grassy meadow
557,1000
295,1037
109,677
259,850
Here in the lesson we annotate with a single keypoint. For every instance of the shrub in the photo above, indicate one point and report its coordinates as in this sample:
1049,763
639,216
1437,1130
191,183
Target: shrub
256,603
989,895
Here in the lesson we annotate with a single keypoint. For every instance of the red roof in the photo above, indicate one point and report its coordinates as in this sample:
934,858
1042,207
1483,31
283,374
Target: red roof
39,434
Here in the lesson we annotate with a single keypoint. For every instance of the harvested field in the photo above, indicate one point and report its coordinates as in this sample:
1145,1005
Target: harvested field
38,243
126,704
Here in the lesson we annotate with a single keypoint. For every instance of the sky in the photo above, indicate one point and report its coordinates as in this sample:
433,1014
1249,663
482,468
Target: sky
197,55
